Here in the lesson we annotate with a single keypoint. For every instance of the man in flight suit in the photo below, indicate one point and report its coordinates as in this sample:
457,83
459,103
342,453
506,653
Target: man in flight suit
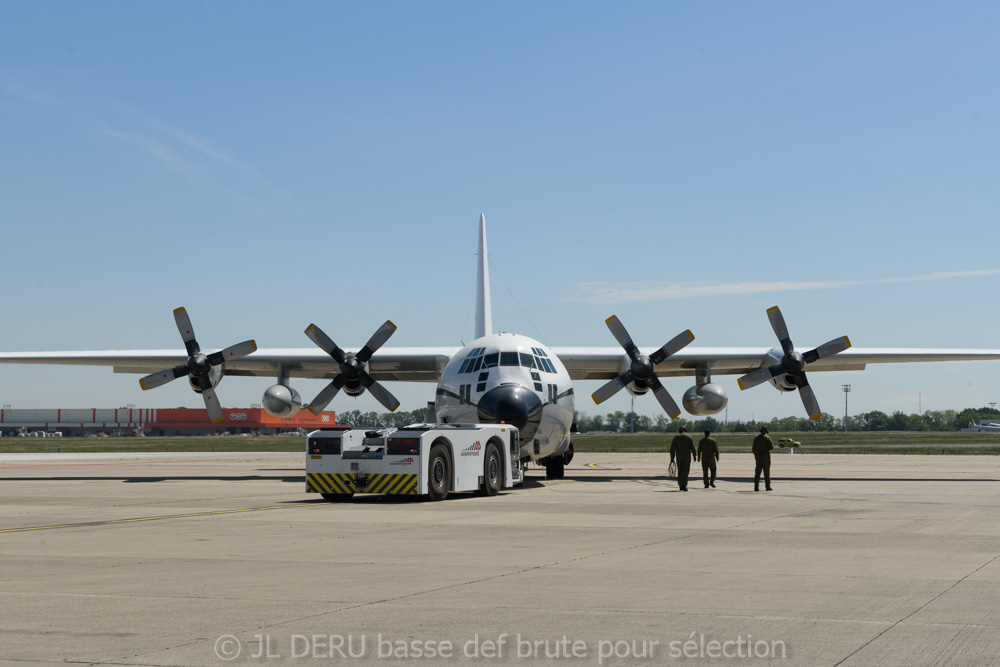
762,447
708,454
682,448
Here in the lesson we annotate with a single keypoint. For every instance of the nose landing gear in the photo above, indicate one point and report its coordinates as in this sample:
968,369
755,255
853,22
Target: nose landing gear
555,466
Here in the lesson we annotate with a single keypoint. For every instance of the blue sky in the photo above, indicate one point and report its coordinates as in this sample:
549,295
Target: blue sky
681,165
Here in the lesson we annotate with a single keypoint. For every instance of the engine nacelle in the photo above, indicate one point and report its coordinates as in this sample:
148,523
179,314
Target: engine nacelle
636,388
281,401
705,399
353,389
215,374
780,382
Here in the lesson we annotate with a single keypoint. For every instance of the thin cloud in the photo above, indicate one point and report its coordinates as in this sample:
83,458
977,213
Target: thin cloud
210,149
25,93
201,144
598,293
183,150
157,149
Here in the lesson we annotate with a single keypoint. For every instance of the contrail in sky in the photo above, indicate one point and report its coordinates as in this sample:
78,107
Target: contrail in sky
603,293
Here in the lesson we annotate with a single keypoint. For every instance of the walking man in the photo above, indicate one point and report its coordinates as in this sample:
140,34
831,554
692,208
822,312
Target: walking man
682,448
708,454
762,447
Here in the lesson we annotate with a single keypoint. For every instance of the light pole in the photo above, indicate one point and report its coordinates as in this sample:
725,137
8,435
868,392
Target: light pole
631,416
847,390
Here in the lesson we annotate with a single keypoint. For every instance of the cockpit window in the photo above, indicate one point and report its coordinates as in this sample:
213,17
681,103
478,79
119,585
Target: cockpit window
473,360
490,360
508,359
527,360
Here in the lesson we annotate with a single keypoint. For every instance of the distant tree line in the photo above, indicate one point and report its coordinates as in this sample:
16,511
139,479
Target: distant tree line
381,419
630,422
876,420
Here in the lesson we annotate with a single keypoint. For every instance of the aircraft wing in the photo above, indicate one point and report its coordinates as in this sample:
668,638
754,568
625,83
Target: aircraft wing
425,364
401,364
603,363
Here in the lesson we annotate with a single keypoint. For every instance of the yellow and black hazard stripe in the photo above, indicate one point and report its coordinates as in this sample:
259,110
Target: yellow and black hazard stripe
323,482
392,484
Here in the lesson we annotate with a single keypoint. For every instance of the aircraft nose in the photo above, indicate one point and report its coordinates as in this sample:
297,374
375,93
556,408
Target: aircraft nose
512,404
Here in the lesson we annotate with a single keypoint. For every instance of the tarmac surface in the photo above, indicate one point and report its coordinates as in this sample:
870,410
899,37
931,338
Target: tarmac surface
224,559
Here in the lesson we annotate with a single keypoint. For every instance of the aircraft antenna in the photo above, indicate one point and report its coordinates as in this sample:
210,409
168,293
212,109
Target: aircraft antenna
516,302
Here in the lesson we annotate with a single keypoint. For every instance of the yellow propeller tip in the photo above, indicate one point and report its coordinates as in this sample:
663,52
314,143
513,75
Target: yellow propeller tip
816,416
218,419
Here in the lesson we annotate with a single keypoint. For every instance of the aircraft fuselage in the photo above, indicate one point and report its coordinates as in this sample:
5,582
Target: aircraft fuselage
513,379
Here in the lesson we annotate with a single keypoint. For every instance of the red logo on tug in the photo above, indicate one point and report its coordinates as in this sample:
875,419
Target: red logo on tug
473,449
402,462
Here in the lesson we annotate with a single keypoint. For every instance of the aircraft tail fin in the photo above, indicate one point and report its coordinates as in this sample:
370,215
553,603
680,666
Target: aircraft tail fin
484,314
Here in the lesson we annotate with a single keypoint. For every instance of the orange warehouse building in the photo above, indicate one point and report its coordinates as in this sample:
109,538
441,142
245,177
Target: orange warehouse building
76,422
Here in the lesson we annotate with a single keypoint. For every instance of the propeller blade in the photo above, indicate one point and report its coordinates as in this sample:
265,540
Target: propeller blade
379,393
808,398
324,343
324,397
233,352
612,387
792,363
777,322
213,405
676,343
780,329
621,335
827,349
663,396
760,375
377,340
159,379
187,331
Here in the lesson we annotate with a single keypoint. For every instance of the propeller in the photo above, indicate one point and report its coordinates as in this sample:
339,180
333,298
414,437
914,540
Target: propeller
352,368
198,365
642,368
793,363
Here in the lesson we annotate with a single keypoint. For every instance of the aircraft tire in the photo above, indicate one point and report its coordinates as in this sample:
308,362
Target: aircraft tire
568,454
337,497
492,472
439,472
555,468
